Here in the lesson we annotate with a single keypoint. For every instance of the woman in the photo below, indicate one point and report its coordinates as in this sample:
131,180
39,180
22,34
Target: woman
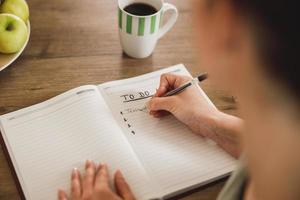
249,47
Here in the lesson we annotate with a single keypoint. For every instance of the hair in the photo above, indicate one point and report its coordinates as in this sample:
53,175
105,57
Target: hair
277,28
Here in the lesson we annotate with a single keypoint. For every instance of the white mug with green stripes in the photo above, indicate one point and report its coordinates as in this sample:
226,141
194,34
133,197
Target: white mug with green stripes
139,34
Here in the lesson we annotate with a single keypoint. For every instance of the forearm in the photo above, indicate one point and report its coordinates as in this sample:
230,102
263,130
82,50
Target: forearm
226,131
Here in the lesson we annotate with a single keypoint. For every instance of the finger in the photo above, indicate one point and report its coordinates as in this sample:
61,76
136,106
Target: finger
159,114
75,184
162,103
169,82
122,187
166,83
88,180
102,177
62,195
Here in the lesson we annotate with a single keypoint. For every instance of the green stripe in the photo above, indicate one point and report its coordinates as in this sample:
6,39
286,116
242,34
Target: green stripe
120,18
129,24
153,22
141,26
161,18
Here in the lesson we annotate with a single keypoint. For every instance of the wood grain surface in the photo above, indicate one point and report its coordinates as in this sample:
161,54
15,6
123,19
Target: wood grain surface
75,42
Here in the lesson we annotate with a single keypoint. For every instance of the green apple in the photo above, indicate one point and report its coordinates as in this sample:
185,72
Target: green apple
13,33
16,7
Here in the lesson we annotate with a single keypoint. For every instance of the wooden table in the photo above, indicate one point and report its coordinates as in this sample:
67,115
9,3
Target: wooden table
75,42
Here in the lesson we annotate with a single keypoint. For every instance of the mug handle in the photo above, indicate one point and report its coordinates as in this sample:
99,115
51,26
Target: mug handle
165,28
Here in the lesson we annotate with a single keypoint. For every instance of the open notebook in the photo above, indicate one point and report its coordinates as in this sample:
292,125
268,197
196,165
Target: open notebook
108,123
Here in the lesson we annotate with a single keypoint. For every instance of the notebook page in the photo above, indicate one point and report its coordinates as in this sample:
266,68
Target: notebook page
174,156
48,140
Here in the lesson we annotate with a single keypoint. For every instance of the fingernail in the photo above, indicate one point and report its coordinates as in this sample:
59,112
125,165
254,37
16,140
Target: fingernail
99,166
92,163
74,173
119,174
61,193
104,167
87,164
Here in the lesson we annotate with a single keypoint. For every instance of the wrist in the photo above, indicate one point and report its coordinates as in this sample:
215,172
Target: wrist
223,129
228,126
217,125
208,124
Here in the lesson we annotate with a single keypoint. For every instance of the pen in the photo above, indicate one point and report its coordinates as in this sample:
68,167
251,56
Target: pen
180,89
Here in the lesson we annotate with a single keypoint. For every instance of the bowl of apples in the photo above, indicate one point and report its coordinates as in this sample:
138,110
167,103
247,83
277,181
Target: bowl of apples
14,30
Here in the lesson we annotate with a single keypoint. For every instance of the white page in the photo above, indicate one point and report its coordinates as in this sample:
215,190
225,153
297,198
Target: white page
47,140
174,156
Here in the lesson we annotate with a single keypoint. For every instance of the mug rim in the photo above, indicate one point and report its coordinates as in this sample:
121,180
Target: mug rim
140,16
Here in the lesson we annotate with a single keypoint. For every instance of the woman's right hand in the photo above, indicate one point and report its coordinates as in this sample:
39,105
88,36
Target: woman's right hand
193,109
190,107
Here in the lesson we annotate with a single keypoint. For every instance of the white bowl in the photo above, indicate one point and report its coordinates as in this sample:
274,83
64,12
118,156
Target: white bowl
7,59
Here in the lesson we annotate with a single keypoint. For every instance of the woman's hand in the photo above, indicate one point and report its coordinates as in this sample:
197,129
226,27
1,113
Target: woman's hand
94,185
189,107
192,108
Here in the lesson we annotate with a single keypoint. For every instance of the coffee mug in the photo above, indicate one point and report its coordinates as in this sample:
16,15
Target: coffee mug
140,33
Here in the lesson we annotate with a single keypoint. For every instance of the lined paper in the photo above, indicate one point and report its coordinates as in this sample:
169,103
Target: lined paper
109,123
47,140
172,155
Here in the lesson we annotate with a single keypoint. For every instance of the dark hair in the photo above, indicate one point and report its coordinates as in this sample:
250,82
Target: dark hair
278,27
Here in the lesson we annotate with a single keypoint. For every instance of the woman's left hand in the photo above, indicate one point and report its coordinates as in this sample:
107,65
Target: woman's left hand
94,185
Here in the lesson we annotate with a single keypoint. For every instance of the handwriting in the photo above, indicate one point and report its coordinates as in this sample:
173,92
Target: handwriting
134,110
135,97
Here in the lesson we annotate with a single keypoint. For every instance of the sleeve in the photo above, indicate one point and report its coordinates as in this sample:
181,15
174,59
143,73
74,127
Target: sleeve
235,186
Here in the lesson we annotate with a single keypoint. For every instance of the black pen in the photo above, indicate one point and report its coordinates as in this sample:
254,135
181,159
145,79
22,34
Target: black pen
180,89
